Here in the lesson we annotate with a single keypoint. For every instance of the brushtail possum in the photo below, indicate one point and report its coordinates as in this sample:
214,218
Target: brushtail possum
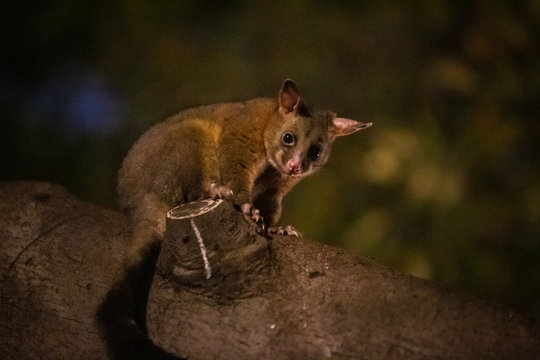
250,152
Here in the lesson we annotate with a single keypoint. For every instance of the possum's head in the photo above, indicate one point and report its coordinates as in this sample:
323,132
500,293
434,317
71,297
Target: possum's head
299,141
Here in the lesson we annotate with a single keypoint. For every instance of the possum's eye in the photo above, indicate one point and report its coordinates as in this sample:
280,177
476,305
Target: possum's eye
314,152
288,139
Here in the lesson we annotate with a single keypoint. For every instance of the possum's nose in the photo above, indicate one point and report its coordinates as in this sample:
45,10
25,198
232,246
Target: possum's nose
294,165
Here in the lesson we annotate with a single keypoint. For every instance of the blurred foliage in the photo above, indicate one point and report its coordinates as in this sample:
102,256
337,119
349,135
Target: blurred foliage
446,185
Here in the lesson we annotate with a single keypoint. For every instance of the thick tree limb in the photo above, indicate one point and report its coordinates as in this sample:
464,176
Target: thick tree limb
283,298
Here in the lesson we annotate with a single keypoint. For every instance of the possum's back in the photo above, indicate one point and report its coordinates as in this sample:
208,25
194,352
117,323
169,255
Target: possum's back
156,162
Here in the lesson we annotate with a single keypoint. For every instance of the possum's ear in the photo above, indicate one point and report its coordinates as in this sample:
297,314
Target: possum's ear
343,126
289,97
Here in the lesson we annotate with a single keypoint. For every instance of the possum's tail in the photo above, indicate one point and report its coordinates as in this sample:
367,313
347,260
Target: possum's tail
121,316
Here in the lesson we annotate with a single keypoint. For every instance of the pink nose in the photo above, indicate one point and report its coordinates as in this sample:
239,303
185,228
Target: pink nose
294,166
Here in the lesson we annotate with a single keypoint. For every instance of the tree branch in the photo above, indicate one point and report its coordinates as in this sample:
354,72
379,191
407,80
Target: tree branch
265,298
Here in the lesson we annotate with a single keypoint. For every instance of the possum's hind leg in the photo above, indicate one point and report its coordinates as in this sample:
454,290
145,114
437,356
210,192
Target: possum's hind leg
148,227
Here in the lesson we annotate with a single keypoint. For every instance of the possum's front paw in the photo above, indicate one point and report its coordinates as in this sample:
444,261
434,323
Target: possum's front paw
287,231
253,214
220,192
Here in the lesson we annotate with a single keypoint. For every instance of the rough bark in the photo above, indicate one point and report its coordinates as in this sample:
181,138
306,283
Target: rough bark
58,256
281,298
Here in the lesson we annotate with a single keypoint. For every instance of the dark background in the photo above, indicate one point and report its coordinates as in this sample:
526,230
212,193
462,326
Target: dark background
446,185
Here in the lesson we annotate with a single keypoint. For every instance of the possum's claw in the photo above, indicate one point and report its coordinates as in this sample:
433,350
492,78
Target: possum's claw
253,214
286,231
220,192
